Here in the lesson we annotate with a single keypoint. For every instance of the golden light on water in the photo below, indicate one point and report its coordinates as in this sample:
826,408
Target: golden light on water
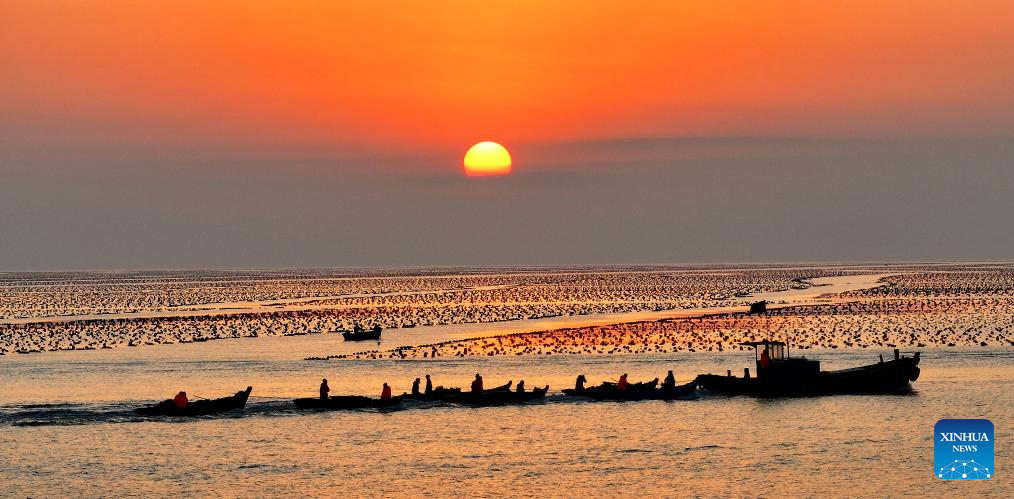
487,158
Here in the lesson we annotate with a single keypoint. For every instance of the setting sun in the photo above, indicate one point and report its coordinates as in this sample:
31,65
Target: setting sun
487,158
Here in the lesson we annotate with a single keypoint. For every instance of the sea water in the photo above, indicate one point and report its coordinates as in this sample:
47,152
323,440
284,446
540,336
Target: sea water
66,427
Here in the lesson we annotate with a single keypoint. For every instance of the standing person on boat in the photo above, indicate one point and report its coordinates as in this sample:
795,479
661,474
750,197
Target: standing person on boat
521,386
385,394
180,400
324,389
765,359
670,381
623,384
429,385
477,383
415,387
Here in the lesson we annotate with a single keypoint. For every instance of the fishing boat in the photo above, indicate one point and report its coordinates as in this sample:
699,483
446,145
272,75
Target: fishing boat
678,392
340,402
438,393
360,334
778,374
198,407
457,395
498,397
648,390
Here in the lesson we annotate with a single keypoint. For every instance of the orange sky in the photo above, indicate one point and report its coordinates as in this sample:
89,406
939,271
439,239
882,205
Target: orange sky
445,74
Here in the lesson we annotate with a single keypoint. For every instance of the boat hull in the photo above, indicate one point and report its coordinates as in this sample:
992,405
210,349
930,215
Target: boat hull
497,397
198,407
891,377
640,391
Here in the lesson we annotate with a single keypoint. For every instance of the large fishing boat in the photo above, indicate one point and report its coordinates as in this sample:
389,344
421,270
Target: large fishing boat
778,374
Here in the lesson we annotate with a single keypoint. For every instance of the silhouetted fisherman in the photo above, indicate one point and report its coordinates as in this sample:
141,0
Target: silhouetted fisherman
180,400
385,394
477,383
623,384
429,385
765,359
670,381
579,383
324,389
521,386
415,387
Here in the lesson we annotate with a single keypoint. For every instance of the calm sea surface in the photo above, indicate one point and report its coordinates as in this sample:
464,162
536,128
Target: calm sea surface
66,428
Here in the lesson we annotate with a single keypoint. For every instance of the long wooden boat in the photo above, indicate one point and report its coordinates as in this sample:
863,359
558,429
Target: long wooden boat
499,397
458,395
678,392
780,375
340,402
438,393
198,407
636,391
611,391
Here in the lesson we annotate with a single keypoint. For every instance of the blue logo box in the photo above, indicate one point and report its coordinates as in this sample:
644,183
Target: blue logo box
963,449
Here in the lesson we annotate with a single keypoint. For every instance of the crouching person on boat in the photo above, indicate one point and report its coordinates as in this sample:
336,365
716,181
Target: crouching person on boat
385,394
180,400
415,387
521,386
579,382
324,389
623,384
669,382
477,383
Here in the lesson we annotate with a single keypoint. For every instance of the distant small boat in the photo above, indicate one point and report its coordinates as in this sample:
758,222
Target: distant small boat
785,376
198,407
340,402
359,334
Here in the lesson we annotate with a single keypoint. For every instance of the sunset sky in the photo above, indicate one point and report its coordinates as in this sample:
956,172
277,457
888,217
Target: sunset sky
298,133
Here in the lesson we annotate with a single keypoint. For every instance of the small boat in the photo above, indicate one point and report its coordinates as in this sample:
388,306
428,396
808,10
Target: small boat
678,392
360,334
458,395
198,407
340,402
438,393
499,397
779,375
637,391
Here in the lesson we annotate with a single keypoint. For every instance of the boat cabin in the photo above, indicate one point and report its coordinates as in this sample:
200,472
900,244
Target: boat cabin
779,366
